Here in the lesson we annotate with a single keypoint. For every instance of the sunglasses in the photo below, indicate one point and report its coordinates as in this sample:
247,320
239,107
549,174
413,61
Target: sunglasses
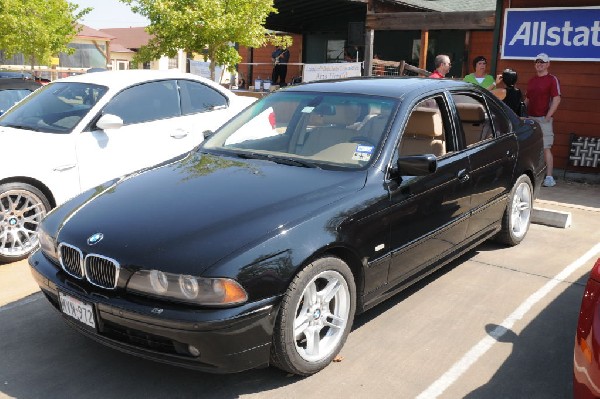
541,62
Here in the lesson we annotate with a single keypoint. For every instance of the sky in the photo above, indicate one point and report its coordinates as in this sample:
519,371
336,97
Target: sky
109,14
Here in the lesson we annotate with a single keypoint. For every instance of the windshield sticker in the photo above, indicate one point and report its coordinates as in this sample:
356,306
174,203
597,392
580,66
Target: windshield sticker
363,152
307,110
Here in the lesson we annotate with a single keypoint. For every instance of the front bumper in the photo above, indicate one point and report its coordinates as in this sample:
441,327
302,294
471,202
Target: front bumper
214,340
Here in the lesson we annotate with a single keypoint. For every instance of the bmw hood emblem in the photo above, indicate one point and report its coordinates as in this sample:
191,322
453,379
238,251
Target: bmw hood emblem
95,238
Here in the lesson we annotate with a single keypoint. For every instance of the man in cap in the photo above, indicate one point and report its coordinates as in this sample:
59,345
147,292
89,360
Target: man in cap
542,99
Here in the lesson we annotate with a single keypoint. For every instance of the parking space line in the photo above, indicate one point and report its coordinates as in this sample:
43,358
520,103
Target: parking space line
462,365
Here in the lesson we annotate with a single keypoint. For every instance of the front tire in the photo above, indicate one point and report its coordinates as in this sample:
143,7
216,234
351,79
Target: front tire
22,208
316,314
517,217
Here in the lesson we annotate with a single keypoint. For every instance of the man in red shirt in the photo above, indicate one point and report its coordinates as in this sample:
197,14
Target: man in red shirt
442,66
542,99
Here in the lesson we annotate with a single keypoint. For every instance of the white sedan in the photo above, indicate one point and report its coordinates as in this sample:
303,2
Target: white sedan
78,132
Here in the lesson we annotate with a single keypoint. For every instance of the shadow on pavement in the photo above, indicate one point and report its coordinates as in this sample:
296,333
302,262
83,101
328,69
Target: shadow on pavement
41,357
547,340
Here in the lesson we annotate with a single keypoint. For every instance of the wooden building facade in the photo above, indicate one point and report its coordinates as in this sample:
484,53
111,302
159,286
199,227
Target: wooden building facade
410,31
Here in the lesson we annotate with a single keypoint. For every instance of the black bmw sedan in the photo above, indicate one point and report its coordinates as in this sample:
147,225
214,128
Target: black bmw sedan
312,205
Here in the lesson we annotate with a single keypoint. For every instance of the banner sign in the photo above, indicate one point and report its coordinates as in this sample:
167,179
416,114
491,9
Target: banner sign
336,70
202,68
565,33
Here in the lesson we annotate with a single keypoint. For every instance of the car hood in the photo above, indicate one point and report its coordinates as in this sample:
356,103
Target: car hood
187,215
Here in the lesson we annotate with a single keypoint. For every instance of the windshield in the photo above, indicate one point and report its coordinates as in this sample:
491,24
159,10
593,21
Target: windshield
55,108
10,97
326,130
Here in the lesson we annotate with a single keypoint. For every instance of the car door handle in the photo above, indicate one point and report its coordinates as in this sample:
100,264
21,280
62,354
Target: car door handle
463,176
179,134
62,168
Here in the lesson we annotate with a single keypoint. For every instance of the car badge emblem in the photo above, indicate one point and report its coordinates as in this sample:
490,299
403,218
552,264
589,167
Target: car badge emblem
95,238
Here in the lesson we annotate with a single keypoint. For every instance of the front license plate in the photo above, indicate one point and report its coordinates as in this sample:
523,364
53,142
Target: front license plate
80,311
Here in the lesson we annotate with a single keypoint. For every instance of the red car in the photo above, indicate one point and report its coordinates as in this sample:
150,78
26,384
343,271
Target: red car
586,362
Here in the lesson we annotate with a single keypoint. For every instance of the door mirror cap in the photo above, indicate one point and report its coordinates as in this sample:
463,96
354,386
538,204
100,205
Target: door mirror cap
417,165
109,121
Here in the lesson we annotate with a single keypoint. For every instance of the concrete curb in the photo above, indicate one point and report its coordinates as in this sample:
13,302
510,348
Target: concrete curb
550,217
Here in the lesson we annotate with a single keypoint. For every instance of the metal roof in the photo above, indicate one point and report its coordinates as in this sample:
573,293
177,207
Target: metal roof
450,5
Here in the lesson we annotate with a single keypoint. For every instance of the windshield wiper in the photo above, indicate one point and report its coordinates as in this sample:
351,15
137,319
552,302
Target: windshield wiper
277,159
23,127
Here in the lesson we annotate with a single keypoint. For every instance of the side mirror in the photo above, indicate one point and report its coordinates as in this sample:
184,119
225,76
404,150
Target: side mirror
109,121
207,133
417,165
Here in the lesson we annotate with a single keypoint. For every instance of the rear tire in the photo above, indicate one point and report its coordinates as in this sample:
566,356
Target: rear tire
517,217
316,314
22,208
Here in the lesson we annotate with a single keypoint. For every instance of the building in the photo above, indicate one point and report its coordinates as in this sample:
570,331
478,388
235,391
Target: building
128,41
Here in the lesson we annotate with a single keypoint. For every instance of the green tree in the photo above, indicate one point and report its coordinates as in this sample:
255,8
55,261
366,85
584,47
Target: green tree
207,27
38,29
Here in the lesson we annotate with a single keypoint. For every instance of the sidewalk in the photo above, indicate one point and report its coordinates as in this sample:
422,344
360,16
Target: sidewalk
570,194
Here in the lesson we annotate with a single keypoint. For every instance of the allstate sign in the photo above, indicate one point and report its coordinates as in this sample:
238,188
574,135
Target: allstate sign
565,34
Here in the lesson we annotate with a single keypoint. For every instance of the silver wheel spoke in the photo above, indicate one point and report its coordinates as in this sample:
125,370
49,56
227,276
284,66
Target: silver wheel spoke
300,325
313,341
336,322
329,291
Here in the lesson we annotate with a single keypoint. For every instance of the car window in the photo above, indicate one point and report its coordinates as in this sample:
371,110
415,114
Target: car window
474,119
146,102
331,130
197,97
500,122
10,97
426,130
55,108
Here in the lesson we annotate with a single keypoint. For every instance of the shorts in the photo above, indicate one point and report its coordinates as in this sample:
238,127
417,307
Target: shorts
547,131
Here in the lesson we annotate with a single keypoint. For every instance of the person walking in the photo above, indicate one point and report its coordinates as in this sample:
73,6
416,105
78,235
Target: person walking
542,100
281,57
442,66
480,76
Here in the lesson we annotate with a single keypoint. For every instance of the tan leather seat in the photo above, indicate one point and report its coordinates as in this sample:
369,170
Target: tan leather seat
472,117
424,133
325,137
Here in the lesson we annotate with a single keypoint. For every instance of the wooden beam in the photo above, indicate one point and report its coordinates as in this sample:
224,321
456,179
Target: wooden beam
424,46
463,20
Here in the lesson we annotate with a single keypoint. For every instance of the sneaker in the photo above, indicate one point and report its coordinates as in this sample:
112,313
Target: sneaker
549,182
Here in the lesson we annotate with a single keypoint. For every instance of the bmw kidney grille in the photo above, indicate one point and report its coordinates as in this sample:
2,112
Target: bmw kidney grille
99,270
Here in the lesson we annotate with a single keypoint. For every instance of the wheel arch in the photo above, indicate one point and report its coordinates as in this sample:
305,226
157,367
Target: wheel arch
32,182
351,259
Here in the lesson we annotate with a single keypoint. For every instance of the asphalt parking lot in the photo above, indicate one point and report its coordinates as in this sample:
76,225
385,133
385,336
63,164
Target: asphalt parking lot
497,323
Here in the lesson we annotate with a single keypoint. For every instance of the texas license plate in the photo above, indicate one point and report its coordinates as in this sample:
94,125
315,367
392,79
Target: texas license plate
79,310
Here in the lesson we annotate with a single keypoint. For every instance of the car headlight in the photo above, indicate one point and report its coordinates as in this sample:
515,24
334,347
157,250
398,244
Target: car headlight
186,288
47,244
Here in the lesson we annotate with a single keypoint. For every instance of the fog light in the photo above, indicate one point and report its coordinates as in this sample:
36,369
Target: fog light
193,350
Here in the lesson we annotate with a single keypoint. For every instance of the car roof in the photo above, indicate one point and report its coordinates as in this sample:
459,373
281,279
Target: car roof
382,86
120,79
15,75
16,83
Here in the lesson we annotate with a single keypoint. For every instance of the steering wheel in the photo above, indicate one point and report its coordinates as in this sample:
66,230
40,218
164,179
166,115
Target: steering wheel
363,139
